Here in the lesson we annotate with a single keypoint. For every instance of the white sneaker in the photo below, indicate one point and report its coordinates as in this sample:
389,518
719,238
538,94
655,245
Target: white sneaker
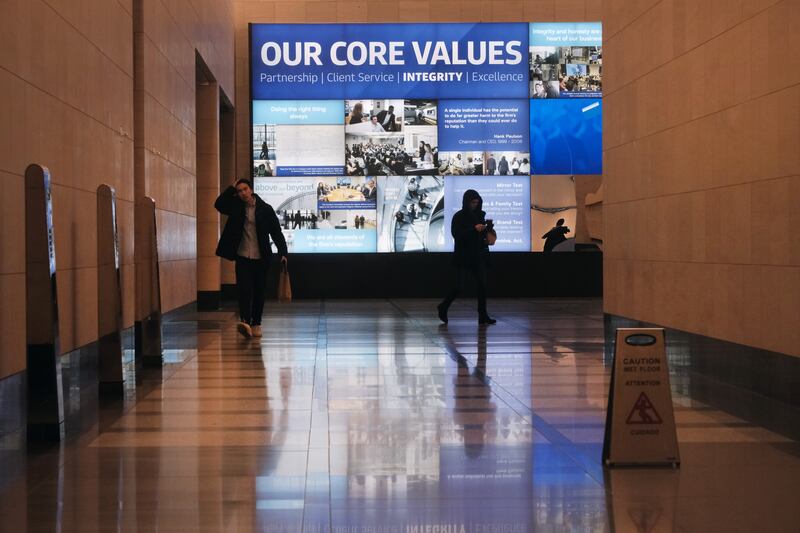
256,331
244,329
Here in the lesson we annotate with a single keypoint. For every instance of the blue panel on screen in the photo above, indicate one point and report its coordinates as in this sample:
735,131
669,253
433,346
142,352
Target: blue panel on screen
296,112
500,125
309,171
312,61
335,241
506,200
566,34
567,136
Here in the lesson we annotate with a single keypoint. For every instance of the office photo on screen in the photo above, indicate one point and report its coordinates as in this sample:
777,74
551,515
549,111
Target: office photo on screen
553,213
347,192
565,60
373,116
375,154
580,74
421,150
544,71
352,219
318,214
300,137
507,163
263,150
461,163
420,113
411,214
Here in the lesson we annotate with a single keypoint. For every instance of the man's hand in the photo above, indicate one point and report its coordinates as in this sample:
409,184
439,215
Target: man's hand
480,228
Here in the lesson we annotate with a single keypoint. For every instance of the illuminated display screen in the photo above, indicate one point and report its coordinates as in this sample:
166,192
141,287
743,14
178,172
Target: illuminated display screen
365,136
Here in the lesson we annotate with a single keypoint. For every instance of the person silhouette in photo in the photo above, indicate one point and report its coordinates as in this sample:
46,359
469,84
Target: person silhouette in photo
355,222
413,187
470,254
552,89
469,170
422,202
491,165
264,170
357,114
245,240
372,191
456,167
375,126
361,221
387,119
502,168
264,154
429,153
555,236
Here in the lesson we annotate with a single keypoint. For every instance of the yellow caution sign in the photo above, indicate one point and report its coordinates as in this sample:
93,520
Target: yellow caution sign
640,423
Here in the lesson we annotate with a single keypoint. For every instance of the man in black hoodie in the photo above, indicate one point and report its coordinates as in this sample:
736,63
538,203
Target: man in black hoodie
471,253
245,240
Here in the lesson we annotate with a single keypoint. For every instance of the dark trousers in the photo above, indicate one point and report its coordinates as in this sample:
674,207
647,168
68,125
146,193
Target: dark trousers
478,272
251,284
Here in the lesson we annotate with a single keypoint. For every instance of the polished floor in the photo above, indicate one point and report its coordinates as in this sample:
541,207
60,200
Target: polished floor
370,416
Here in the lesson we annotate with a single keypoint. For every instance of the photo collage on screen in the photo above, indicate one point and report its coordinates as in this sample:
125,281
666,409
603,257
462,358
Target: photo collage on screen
371,175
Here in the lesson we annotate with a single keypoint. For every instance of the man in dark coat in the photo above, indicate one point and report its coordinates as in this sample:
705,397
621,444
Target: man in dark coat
503,166
491,165
387,119
246,240
471,253
555,236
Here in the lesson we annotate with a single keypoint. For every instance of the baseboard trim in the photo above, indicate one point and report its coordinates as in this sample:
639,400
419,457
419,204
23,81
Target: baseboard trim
208,300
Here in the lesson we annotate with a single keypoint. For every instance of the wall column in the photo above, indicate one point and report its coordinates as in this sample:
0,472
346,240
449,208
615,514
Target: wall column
208,188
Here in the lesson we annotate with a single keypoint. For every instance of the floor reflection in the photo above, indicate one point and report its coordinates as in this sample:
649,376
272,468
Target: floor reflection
370,416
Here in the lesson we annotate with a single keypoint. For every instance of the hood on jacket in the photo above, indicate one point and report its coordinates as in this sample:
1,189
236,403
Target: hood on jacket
469,195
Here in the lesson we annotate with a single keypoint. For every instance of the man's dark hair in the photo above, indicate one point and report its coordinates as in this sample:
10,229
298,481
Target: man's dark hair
245,181
560,222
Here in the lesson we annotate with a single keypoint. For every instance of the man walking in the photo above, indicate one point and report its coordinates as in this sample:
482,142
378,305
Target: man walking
246,240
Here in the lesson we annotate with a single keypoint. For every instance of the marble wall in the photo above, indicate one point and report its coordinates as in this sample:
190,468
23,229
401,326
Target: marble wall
702,167
77,98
